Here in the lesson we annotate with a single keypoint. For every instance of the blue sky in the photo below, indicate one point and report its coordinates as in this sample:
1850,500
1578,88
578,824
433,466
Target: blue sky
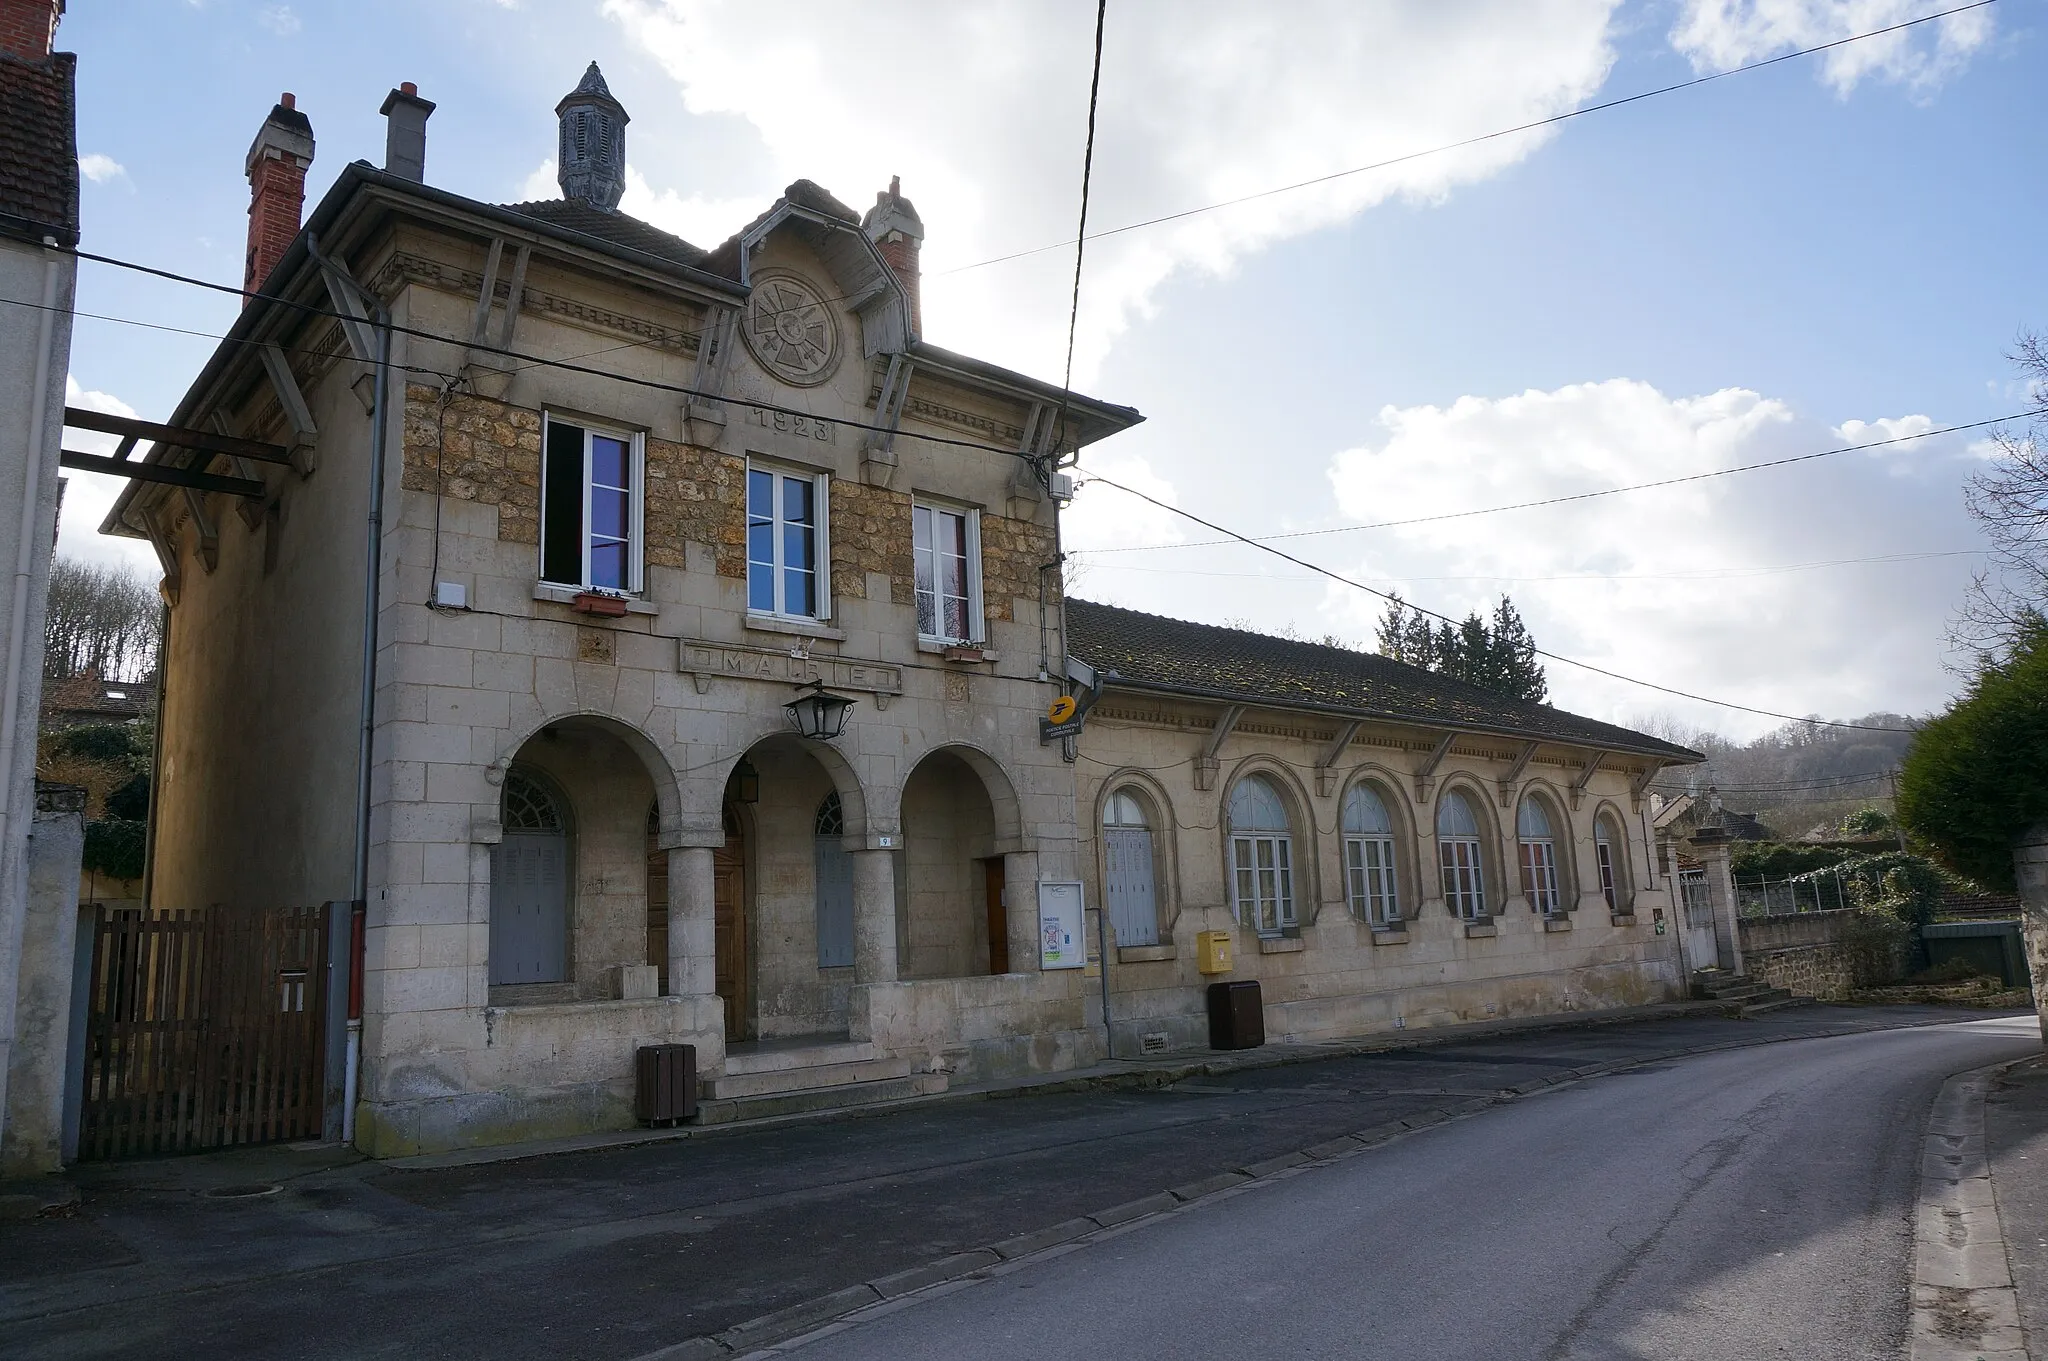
1745,270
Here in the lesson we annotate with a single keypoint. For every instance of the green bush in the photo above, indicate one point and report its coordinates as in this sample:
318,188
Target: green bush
114,847
1866,822
1780,861
130,802
1977,776
114,743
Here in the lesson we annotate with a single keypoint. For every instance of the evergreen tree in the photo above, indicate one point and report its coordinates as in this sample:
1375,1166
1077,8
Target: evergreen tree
1500,656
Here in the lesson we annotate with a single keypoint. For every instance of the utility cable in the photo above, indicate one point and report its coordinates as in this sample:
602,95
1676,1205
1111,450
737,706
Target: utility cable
1572,497
1475,141
1341,579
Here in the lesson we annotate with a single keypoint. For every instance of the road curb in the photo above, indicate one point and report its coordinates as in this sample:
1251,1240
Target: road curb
784,1330
1964,1304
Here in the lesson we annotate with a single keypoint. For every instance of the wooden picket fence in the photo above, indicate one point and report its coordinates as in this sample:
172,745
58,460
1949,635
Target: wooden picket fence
205,1028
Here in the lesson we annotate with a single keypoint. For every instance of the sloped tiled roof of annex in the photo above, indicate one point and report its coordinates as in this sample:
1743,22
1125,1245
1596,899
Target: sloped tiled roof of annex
38,145
1149,651
621,229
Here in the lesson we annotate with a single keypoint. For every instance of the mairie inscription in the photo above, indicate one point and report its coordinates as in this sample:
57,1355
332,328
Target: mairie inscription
706,660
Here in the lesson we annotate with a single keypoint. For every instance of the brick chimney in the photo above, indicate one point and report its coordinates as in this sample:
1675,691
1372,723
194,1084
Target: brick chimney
277,164
28,28
895,228
405,132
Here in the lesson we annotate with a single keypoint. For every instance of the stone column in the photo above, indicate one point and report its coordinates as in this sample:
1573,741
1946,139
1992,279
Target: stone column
1711,846
692,923
32,1136
1020,909
874,916
2030,869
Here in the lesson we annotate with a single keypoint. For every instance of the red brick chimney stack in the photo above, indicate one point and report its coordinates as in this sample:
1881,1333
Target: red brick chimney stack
28,28
277,165
897,231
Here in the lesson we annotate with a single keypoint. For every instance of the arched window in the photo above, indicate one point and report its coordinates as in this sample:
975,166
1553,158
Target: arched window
528,807
834,885
1458,854
529,941
1608,844
1127,885
1539,856
1261,857
1369,857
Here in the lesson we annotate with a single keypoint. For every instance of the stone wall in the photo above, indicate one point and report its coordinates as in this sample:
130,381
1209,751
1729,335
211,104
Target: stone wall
1809,953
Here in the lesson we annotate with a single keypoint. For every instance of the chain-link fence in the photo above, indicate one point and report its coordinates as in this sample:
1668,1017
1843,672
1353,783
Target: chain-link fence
1761,895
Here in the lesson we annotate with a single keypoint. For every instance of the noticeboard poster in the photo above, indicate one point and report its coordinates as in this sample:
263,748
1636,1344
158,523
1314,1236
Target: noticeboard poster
1062,926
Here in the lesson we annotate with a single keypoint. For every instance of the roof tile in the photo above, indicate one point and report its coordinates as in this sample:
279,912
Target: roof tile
39,144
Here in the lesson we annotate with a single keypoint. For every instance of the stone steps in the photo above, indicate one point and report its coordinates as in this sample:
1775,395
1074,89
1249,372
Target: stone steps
796,1101
1750,996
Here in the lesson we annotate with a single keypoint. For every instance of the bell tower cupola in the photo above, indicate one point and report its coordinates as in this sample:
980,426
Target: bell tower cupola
592,156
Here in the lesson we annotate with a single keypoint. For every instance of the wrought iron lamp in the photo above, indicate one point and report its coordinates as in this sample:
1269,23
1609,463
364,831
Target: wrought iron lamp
818,713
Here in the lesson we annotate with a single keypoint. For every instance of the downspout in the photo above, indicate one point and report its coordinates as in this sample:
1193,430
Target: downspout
31,540
359,891
156,752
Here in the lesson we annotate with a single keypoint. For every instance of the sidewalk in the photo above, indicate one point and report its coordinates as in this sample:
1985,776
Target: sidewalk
2016,1136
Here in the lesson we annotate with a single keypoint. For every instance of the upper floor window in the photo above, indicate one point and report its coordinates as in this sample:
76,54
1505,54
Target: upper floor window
786,555
1261,856
1607,852
1539,856
590,507
1128,879
1369,857
1459,856
946,552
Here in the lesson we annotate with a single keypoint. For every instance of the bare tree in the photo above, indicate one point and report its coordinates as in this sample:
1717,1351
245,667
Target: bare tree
2010,500
101,620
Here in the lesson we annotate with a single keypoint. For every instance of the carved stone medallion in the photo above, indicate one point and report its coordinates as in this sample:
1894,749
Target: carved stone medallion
790,329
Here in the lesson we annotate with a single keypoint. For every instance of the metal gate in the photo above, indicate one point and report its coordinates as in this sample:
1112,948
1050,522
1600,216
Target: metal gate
204,1029
1702,945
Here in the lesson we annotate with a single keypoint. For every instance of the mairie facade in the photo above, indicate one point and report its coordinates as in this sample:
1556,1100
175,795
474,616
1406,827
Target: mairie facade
638,500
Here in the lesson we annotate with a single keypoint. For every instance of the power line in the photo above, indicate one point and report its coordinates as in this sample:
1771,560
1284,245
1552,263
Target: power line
1572,497
1701,574
1553,656
1475,141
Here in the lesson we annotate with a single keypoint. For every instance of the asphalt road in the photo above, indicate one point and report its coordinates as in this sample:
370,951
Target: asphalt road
1736,1206
611,1254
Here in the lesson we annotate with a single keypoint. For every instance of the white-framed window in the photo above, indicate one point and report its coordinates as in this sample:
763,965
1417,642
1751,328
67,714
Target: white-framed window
946,553
1539,856
1459,856
789,562
1607,854
1261,857
1369,857
1129,870
591,506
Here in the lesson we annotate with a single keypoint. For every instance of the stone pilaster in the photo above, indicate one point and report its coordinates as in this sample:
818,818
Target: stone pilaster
2030,869
692,922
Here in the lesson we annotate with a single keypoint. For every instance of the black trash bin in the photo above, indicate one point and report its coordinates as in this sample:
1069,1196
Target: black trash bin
1237,1015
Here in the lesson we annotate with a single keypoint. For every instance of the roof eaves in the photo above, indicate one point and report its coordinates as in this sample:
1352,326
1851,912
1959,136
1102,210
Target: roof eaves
930,356
1663,753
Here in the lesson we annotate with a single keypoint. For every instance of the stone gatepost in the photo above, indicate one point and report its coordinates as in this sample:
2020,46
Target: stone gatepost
2030,869
1710,845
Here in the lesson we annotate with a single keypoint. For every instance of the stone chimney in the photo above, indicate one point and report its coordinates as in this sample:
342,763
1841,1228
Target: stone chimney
277,164
895,228
28,28
592,156
405,132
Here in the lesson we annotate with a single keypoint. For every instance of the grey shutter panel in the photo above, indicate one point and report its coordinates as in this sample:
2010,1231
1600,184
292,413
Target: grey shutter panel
529,908
1133,910
835,904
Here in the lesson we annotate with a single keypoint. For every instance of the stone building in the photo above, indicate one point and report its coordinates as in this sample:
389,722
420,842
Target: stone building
38,276
638,499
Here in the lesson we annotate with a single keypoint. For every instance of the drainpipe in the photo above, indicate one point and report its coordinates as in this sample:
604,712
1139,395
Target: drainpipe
359,892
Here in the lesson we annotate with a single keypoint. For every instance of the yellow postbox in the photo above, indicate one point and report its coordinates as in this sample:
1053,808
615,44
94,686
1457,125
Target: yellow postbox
1212,951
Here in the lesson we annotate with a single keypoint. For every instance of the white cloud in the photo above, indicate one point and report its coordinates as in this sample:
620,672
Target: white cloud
100,169
1664,584
981,110
1721,34
89,496
279,21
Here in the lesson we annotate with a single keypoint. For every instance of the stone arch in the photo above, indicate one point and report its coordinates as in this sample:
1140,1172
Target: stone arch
1627,878
1301,821
1565,843
667,795
960,831
995,780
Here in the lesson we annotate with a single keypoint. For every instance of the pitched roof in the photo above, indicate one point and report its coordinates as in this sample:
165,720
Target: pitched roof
616,228
39,147
1150,652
